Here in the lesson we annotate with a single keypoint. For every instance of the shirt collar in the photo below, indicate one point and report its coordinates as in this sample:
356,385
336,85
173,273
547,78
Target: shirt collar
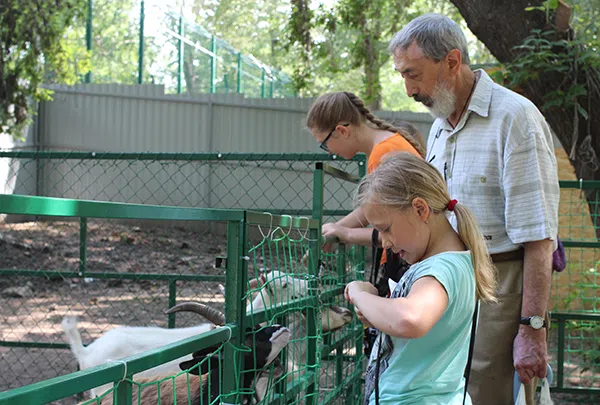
482,96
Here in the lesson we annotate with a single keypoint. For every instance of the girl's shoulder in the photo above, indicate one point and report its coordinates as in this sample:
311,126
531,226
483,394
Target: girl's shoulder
451,269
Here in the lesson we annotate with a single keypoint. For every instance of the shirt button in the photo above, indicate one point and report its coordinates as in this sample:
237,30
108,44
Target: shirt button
483,179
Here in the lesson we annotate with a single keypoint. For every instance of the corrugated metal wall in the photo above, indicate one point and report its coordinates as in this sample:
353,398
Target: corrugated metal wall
120,118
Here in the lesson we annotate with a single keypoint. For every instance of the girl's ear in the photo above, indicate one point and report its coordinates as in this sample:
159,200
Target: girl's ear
343,130
421,208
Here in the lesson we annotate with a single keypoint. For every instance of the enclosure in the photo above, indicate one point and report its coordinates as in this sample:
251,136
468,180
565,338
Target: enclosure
109,270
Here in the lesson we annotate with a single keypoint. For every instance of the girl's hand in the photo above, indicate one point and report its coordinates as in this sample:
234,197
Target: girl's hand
356,287
361,318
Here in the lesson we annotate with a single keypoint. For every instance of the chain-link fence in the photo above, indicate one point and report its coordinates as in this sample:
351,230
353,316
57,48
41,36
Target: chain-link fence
274,183
109,271
575,354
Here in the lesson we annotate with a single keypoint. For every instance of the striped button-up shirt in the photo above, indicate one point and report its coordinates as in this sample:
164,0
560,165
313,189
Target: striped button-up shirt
499,161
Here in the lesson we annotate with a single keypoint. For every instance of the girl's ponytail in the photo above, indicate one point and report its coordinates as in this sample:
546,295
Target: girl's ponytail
485,272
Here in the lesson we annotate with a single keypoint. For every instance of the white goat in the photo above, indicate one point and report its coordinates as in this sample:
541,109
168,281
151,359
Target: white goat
125,341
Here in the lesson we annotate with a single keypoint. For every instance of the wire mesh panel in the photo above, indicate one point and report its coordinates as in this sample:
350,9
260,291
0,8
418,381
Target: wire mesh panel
573,344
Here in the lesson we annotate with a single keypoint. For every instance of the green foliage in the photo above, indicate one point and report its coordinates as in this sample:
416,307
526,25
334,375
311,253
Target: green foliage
542,54
30,37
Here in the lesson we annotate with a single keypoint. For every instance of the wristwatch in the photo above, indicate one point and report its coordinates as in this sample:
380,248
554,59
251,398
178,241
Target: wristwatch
536,322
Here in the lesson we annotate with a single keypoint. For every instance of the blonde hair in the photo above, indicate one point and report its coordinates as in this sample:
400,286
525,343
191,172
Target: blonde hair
400,178
332,108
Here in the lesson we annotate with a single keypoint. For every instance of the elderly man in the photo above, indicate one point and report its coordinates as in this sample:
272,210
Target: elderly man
496,153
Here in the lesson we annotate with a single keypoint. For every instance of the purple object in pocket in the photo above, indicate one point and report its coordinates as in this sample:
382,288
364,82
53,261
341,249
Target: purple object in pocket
559,261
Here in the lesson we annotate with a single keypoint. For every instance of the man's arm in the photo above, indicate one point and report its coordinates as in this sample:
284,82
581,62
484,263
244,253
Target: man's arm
530,351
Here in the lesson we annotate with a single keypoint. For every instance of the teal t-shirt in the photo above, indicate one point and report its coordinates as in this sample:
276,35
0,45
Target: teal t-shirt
429,370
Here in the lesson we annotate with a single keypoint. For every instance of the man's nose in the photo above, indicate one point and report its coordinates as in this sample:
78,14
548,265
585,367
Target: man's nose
411,90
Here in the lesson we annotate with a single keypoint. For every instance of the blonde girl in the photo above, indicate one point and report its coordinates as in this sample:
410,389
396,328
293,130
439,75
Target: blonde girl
426,324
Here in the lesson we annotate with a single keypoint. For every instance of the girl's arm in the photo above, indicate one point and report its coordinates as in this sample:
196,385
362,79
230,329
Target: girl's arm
356,219
410,317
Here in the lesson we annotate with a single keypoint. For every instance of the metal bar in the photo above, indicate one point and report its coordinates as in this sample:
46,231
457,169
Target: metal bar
141,46
82,246
303,157
575,316
237,275
341,271
584,184
172,301
180,60
340,174
61,387
213,65
263,84
239,73
123,391
580,244
88,38
313,269
50,274
34,345
561,354
50,206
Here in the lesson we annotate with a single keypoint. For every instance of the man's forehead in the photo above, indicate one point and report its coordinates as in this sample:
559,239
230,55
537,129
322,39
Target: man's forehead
408,58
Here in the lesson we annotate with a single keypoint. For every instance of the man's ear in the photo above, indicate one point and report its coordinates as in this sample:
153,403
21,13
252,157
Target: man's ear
454,60
421,209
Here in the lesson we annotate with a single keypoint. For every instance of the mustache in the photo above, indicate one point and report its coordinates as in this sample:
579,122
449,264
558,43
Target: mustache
423,99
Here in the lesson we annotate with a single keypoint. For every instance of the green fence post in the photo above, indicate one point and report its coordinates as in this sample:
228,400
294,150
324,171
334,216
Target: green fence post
88,38
360,254
312,395
180,56
123,393
213,64
560,357
239,73
172,301
271,87
82,246
235,284
141,46
262,86
339,350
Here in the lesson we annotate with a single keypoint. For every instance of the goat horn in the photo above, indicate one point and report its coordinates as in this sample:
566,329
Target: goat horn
216,317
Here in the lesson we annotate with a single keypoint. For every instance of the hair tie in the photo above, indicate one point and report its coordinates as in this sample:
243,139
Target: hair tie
451,205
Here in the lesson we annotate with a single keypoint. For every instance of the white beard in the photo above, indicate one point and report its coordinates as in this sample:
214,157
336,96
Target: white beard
444,101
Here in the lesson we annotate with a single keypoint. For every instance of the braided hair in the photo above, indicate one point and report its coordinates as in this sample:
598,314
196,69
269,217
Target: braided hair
332,108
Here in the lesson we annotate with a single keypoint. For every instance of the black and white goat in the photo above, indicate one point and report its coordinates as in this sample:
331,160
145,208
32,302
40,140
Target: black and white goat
203,383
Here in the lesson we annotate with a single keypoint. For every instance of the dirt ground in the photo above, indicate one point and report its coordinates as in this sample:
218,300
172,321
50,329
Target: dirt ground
32,308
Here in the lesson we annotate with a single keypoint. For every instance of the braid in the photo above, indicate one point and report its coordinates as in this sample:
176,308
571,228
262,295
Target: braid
386,126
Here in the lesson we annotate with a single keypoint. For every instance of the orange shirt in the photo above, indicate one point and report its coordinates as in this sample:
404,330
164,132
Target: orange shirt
395,143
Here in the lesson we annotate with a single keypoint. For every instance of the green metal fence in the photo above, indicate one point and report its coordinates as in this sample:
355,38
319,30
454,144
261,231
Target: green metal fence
273,183
284,242
150,41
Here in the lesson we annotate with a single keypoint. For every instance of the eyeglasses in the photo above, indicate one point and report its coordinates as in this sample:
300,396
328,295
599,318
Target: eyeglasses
323,145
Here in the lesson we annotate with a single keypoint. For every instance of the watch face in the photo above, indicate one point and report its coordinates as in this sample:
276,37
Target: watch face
537,322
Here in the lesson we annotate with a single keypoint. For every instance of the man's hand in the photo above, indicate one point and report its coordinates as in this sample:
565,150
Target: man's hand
530,353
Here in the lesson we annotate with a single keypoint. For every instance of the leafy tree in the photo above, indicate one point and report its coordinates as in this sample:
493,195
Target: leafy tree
30,37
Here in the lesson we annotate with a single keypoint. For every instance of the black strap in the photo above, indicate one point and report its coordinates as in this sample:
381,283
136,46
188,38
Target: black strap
374,259
471,348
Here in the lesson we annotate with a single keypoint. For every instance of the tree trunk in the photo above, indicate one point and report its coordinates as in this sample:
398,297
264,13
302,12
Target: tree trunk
504,24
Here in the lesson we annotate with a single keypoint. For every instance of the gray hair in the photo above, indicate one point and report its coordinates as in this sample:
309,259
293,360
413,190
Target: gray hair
435,34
